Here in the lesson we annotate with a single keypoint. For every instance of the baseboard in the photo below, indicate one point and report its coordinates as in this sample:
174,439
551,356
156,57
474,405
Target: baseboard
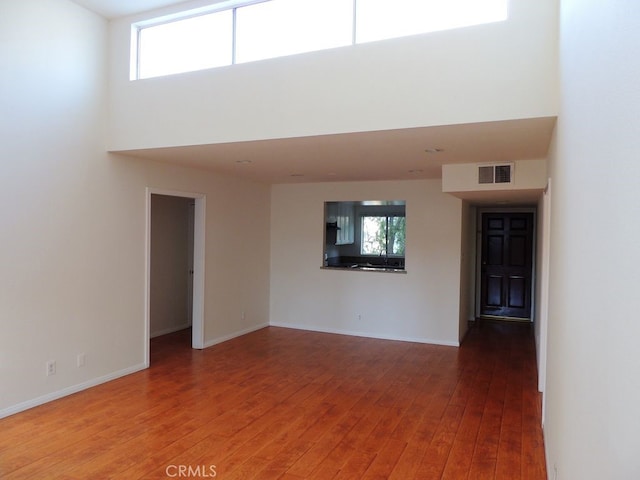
429,341
167,331
499,318
233,335
21,407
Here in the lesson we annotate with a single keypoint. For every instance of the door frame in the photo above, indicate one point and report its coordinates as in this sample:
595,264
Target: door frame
197,331
478,287
542,328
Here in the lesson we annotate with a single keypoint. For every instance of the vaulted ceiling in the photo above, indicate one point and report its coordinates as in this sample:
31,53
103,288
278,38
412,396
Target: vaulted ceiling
377,155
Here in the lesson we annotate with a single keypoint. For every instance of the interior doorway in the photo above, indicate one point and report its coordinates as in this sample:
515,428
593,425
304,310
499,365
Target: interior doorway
506,265
170,293
175,265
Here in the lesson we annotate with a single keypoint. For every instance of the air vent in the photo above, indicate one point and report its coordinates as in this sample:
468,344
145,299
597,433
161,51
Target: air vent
485,174
495,174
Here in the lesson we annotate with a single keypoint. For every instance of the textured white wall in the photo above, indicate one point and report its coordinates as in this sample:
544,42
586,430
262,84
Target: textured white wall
72,239
421,305
482,73
593,388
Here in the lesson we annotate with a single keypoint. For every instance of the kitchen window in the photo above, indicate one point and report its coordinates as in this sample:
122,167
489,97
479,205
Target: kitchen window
382,235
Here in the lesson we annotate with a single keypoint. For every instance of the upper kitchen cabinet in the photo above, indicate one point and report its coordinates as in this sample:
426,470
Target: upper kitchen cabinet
341,217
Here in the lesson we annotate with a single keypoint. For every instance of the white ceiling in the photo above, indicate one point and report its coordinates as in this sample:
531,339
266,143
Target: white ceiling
380,155
122,8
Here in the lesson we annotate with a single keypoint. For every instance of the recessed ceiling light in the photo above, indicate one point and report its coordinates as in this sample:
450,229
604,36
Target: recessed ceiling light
434,150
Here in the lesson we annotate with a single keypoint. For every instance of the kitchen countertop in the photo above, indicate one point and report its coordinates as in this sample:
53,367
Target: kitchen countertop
366,268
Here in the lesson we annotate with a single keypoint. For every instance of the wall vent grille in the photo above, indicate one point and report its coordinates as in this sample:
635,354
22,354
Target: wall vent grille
495,174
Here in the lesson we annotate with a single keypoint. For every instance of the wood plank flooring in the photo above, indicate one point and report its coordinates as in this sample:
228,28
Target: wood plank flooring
289,404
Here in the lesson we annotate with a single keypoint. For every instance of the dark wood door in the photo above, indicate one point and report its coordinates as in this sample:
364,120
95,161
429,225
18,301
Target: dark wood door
507,251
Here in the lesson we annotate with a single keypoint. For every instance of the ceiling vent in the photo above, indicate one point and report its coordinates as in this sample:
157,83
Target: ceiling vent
502,173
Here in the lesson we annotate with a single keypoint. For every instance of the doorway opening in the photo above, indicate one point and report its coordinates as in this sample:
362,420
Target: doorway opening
174,267
505,267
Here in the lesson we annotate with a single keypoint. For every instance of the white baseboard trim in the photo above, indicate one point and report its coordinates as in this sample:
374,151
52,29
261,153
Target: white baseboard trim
49,397
366,335
20,407
233,335
167,331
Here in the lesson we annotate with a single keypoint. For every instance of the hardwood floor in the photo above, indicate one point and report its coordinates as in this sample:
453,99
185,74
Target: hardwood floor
289,404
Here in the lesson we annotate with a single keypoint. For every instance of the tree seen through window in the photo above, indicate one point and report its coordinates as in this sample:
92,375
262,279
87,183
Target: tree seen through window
383,235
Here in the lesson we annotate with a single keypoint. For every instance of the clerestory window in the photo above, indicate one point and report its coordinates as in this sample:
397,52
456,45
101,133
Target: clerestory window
239,31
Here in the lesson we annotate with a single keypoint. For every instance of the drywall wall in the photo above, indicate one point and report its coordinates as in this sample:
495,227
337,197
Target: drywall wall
171,257
467,268
460,76
541,296
592,389
73,217
526,175
421,305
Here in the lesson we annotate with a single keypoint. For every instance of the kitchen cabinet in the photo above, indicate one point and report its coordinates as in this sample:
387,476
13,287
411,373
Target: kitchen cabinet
341,218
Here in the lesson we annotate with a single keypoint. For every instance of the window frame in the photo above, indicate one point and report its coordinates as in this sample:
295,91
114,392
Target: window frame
386,216
234,5
139,43
137,27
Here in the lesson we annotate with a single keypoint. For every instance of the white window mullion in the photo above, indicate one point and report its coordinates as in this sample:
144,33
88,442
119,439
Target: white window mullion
234,39
240,31
355,20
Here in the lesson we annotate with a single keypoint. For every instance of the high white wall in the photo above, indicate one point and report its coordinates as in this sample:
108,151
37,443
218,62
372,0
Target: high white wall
498,71
593,387
421,305
72,236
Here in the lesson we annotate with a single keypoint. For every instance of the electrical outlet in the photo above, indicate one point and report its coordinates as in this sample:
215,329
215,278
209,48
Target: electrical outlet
243,316
81,360
51,367
359,317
